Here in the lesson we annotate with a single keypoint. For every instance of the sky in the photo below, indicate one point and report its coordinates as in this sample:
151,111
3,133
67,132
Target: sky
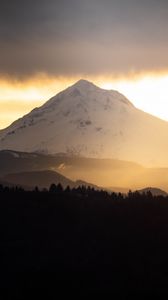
46,45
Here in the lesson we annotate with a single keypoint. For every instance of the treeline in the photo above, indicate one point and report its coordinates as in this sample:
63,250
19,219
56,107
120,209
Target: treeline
83,240
83,190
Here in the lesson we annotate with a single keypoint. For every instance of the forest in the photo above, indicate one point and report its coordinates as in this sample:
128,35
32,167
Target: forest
82,240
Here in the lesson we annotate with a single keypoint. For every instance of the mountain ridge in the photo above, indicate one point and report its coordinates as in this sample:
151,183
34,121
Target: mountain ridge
42,179
110,174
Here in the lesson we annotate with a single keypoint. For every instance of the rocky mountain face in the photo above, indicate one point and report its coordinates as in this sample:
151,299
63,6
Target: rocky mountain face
85,120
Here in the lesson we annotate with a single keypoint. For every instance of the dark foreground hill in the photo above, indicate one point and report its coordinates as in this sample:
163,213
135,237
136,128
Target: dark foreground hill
42,179
82,241
154,191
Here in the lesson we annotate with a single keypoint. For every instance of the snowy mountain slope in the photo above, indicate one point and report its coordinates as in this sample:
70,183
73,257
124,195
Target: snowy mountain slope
88,121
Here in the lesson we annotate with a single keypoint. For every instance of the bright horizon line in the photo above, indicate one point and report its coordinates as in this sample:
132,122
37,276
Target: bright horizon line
17,98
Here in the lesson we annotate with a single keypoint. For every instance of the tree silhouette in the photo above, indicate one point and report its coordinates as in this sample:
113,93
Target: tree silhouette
53,188
83,239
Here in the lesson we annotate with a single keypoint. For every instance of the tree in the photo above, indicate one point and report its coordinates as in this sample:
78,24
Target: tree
59,187
53,188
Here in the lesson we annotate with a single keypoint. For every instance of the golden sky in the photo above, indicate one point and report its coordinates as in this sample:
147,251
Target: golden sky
49,45
148,92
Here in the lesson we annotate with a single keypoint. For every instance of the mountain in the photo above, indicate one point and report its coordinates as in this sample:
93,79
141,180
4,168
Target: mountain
33,169
100,172
17,162
154,191
111,174
87,184
42,179
85,120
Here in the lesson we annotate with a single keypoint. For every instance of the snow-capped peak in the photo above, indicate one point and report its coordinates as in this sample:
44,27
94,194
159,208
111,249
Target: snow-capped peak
89,121
85,90
85,85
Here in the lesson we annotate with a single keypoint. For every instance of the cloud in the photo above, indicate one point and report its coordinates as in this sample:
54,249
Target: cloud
76,37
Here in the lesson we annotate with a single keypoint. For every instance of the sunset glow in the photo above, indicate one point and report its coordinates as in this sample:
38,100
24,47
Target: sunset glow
148,93
83,147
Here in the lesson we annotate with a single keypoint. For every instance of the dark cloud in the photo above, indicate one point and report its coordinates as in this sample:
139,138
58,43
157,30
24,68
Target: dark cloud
66,37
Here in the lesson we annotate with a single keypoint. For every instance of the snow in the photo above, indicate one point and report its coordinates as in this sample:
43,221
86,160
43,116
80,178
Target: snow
89,121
